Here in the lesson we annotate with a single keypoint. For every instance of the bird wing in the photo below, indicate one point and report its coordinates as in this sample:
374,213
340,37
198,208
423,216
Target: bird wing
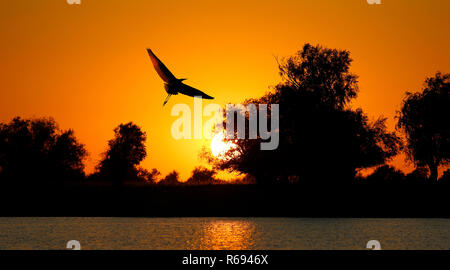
161,69
191,91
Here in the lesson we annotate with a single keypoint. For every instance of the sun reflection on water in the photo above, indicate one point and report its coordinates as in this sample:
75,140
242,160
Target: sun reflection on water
228,234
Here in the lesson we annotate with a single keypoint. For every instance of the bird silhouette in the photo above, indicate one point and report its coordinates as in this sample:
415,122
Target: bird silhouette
173,85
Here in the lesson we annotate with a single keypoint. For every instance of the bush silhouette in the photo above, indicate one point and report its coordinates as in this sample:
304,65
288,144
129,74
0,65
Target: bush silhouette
445,179
171,179
149,177
418,176
202,176
386,175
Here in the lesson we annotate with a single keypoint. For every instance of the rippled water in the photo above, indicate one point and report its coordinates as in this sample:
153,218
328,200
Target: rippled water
223,233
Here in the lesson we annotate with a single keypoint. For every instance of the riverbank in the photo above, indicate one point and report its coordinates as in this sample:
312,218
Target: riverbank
390,201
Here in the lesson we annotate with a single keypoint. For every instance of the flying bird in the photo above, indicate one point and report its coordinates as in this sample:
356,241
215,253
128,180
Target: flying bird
173,85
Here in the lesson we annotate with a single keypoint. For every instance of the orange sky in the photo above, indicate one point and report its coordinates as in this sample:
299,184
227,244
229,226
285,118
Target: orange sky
87,66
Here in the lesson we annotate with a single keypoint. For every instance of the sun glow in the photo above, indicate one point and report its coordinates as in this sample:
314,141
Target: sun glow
219,147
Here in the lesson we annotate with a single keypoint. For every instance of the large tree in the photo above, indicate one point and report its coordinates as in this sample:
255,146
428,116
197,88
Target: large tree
320,137
424,118
322,73
125,151
36,150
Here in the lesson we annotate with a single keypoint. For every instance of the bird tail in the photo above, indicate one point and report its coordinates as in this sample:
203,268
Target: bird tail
167,99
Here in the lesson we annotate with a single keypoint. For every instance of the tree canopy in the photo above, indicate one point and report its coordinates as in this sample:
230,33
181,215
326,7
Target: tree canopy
37,149
125,151
320,138
424,119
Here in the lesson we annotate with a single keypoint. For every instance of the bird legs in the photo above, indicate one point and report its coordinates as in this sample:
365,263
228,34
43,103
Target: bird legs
167,99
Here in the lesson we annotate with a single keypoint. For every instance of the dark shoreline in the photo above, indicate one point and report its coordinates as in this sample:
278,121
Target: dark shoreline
352,201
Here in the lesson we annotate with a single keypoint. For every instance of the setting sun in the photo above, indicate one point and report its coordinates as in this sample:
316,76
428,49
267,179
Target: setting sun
219,147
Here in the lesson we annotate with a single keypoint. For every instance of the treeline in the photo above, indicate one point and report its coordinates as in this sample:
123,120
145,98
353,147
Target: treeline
322,139
37,151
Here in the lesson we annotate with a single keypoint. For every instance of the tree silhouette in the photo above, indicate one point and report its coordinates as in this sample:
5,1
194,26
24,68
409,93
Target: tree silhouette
36,150
323,73
202,176
424,119
320,138
171,179
149,177
125,151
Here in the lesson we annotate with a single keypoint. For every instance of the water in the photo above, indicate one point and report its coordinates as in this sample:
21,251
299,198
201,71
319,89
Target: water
222,233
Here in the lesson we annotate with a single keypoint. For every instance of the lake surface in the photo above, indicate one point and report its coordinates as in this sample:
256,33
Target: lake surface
222,233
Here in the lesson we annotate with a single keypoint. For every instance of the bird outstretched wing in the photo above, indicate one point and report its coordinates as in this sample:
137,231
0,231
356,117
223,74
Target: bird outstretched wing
161,69
191,91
